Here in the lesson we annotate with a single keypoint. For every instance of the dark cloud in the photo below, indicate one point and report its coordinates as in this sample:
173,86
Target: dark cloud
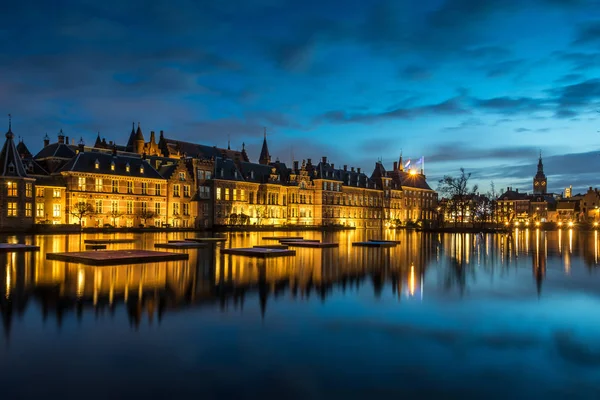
588,34
415,73
450,106
512,105
463,152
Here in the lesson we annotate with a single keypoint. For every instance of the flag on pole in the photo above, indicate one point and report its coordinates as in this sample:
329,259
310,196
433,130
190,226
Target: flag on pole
407,164
420,161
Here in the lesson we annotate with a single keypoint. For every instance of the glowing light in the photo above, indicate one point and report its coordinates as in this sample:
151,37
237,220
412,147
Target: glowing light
595,224
506,223
527,223
412,172
516,223
560,224
537,224
570,223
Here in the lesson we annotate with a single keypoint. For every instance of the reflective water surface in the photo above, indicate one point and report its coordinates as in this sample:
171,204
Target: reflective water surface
439,315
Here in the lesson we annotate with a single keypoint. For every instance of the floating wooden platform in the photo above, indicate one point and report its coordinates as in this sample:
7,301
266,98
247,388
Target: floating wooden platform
318,245
207,240
116,257
180,245
17,248
95,247
109,241
259,252
282,237
374,244
283,241
271,246
385,241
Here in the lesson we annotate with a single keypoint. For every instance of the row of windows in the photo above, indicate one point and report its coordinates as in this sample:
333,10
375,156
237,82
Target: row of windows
99,185
12,209
12,189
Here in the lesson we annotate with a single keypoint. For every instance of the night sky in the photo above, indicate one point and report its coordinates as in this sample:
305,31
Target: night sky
483,84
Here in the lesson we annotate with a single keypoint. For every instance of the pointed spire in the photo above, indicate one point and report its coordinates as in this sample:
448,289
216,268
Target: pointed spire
228,142
400,162
9,126
265,157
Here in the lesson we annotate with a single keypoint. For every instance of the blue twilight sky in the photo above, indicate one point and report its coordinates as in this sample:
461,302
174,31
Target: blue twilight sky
482,84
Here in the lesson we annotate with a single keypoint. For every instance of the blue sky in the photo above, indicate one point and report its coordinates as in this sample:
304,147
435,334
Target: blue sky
483,85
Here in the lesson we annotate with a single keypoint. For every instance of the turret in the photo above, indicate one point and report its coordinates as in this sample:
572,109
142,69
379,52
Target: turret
138,141
46,140
61,137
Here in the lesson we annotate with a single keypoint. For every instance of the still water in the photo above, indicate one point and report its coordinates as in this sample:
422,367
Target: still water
439,315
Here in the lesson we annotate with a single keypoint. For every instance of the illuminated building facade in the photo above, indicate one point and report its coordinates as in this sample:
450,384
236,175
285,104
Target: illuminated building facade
172,183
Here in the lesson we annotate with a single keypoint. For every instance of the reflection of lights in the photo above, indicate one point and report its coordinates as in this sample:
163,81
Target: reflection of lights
527,223
8,281
516,223
595,224
80,282
570,223
537,224
560,224
411,281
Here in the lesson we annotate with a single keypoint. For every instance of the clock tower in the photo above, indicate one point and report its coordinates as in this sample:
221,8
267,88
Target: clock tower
539,181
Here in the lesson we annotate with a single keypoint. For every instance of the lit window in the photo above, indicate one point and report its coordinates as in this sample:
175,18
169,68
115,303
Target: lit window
144,188
112,165
129,187
144,207
186,190
56,210
157,208
226,193
142,169
56,193
234,194
242,195
29,189
127,167
208,175
186,209
175,208
39,192
176,190
11,209
28,210
182,176
129,207
12,189
158,189
81,183
99,206
97,164
218,193
39,210
99,184
115,186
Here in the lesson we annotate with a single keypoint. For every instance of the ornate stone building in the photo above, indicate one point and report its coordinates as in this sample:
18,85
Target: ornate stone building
181,184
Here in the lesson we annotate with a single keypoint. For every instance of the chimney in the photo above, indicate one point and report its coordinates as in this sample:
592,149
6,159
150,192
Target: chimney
395,165
345,168
309,161
352,169
517,190
110,143
81,146
46,140
67,140
295,165
358,170
333,165
324,160
61,137
114,151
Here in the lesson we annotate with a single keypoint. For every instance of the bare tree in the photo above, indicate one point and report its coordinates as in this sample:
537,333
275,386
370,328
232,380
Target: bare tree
145,215
80,210
114,214
458,192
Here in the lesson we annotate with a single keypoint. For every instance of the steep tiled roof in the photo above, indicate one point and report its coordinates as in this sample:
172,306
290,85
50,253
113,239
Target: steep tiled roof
86,162
57,150
23,150
202,151
166,171
257,173
512,195
226,169
408,180
10,160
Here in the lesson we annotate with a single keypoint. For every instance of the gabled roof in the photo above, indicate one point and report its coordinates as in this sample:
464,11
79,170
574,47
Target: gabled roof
513,195
23,150
202,151
166,171
265,157
57,150
408,180
86,162
10,160
257,173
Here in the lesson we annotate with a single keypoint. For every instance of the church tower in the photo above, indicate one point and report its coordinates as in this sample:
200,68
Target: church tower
540,183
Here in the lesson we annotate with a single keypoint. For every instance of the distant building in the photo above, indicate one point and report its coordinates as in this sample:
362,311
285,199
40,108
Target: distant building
540,183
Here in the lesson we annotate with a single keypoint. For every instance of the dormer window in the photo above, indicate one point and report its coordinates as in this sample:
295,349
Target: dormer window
97,164
251,174
235,174
141,169
11,168
222,172
127,167
112,166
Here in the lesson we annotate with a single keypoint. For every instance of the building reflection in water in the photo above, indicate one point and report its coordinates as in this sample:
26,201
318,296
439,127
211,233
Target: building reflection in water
226,281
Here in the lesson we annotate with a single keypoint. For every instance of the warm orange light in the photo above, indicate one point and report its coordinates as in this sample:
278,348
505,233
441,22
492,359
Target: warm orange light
412,172
570,223
506,223
537,224
595,224
560,224
516,223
